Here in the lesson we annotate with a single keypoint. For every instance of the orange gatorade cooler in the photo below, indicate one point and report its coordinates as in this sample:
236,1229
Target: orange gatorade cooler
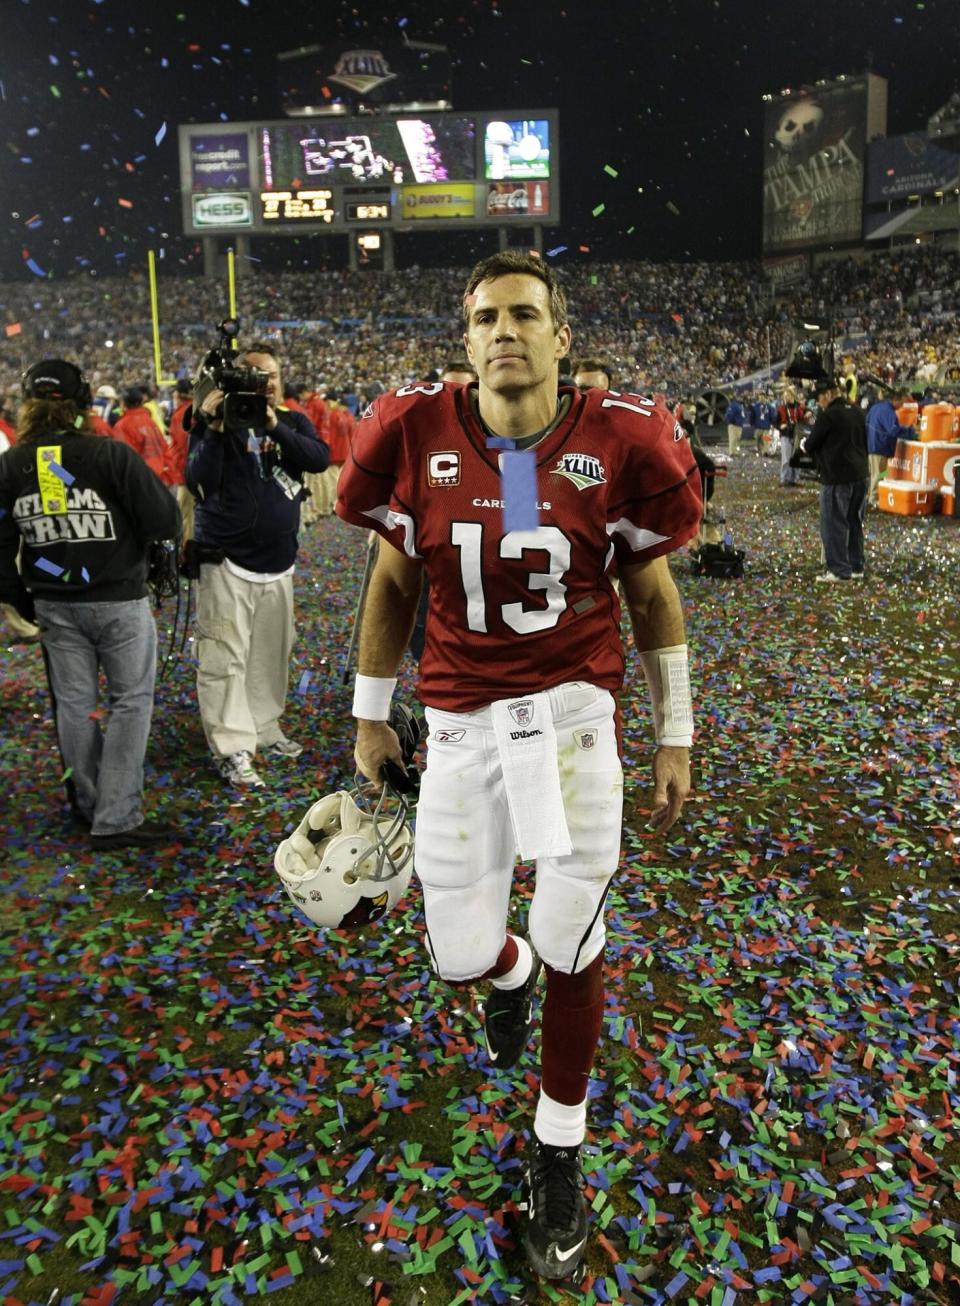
936,422
908,413
947,500
932,461
908,499
940,463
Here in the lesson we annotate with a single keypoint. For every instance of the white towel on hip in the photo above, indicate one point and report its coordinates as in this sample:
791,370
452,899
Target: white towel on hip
527,744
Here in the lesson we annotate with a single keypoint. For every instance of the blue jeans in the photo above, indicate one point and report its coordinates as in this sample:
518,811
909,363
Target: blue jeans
106,766
841,526
788,475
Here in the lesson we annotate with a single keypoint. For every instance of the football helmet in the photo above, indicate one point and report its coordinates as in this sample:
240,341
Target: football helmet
346,865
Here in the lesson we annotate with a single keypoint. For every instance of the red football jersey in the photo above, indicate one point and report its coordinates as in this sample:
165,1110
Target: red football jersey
516,613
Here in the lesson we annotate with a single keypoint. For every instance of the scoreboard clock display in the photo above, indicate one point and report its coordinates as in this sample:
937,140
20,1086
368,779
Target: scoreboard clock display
367,211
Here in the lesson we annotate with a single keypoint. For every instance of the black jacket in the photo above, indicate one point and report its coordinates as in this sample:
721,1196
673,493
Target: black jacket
249,486
86,539
838,444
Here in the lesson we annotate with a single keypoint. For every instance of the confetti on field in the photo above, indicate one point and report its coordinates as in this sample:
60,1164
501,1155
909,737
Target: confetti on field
203,1100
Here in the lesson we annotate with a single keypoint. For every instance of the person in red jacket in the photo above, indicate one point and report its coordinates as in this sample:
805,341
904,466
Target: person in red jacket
138,429
318,412
318,503
7,435
340,424
179,446
292,399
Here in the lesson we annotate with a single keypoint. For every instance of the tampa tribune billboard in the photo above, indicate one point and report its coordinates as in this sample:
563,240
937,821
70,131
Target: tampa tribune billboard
814,150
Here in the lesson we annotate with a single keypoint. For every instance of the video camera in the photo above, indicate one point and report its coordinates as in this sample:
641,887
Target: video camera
244,388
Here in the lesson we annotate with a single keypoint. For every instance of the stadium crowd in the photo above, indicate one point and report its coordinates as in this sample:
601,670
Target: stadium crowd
674,327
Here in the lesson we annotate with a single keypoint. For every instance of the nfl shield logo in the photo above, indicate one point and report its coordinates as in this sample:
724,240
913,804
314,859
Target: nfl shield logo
522,712
585,738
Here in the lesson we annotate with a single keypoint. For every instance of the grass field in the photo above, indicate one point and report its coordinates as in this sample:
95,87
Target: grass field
203,1101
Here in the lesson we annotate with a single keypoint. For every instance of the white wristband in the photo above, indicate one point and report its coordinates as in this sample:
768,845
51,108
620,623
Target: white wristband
668,679
372,695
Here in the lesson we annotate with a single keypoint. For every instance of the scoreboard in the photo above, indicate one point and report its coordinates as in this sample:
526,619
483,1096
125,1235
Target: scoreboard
405,172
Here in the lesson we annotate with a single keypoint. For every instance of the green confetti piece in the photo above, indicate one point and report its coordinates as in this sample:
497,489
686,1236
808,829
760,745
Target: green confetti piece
598,210
611,172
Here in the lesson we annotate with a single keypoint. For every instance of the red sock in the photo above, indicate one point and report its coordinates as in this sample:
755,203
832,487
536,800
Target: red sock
570,1030
508,958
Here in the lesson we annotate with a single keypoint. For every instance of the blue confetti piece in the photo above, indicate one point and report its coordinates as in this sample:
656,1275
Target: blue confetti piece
68,478
557,249
85,575
51,568
304,682
519,481
35,267
402,22
161,132
358,1167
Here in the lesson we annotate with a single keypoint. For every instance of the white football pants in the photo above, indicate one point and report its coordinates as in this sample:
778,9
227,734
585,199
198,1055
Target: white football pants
465,847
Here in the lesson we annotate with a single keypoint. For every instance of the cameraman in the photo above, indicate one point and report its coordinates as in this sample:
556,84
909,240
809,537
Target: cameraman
81,511
248,484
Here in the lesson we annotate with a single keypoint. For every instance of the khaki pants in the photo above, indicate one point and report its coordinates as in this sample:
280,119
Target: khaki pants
244,635
330,478
323,490
733,438
878,467
186,503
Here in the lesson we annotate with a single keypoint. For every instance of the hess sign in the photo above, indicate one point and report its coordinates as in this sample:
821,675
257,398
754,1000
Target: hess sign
222,210
297,206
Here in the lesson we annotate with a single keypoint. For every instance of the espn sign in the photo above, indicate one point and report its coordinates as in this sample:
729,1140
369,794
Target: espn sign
231,209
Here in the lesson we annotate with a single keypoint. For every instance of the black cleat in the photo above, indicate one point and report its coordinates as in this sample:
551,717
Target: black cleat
507,1017
556,1231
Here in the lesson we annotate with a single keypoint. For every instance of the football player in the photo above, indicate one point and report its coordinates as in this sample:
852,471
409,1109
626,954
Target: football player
515,499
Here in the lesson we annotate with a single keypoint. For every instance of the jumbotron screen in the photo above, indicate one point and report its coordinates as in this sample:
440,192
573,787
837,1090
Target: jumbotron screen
377,150
518,149
403,172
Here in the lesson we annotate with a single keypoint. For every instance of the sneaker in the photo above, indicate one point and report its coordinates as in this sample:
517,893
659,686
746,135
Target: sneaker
556,1231
829,576
507,1017
285,748
856,575
237,769
146,835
